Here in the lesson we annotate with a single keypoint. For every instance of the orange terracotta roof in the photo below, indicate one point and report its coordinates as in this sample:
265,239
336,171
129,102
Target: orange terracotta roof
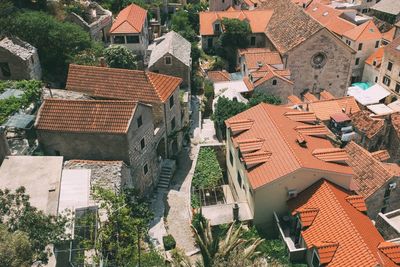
376,56
240,125
395,119
308,97
381,155
130,20
325,95
326,251
307,216
392,168
265,73
255,60
294,100
391,250
370,173
276,126
364,32
331,154
342,235
324,109
313,130
364,123
329,17
250,145
257,19
111,83
255,158
301,116
392,48
218,76
85,116
357,202
389,35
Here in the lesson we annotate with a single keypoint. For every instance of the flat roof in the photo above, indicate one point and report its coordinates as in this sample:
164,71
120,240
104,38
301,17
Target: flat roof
380,109
40,175
369,96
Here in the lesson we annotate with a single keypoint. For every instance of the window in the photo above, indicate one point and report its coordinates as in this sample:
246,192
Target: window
376,79
119,39
132,39
386,81
145,169
253,41
5,69
360,47
139,121
217,28
142,144
171,101
210,42
173,124
274,82
315,259
374,63
387,193
357,61
348,42
231,157
57,153
239,178
377,44
168,61
397,89
389,66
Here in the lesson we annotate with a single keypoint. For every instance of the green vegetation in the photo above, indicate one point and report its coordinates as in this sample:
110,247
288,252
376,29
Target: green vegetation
207,173
169,242
29,230
118,56
11,105
258,98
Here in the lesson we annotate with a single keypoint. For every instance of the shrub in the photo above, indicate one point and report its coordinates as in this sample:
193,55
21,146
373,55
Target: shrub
207,173
197,220
169,242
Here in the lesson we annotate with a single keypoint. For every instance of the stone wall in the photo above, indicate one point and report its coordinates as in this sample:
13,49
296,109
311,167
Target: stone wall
334,76
175,135
220,5
376,201
393,74
370,74
394,147
177,69
382,223
4,150
282,89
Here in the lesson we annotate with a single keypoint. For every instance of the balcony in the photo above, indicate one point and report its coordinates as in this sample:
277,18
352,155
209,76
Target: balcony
297,252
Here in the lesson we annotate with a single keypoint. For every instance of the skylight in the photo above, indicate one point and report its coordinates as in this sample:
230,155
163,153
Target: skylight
325,14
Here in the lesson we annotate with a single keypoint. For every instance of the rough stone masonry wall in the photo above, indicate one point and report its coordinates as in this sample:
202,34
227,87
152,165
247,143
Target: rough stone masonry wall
174,112
177,69
21,69
384,227
394,147
334,76
282,89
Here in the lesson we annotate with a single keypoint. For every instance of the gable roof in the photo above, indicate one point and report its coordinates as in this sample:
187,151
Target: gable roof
265,73
277,126
364,123
364,32
257,19
85,116
218,76
342,235
255,57
376,56
393,48
130,20
123,84
370,173
173,44
289,25
324,109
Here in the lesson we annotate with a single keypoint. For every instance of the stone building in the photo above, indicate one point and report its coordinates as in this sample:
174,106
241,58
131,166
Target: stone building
372,66
387,10
96,21
170,55
101,130
374,179
220,5
130,29
18,60
316,58
389,77
158,90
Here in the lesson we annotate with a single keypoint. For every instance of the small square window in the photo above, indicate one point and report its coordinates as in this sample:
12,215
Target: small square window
145,169
132,39
389,66
139,121
171,101
357,61
386,80
173,124
142,144
274,82
119,39
360,47
168,61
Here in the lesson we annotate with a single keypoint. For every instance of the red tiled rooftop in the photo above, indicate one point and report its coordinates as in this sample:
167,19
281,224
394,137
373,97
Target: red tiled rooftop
219,76
85,116
375,57
325,95
130,20
364,32
256,58
365,124
324,109
389,35
123,84
342,234
381,155
391,250
331,154
277,126
314,130
294,100
308,97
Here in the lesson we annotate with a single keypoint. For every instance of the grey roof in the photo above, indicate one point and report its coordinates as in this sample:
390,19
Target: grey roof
11,92
174,44
388,6
21,121
17,47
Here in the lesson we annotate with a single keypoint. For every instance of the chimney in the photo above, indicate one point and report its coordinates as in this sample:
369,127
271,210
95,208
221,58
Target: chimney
235,212
103,62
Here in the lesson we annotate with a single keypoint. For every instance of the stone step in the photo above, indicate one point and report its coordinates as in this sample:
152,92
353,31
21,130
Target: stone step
165,176
163,186
164,180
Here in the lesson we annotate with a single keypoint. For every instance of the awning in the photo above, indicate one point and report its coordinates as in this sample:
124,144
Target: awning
368,96
380,109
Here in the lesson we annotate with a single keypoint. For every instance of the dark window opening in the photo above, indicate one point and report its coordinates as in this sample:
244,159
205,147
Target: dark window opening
386,80
139,121
145,169
397,89
210,42
5,69
132,39
231,157
142,143
253,41
168,60
171,101
173,124
390,66
119,39
360,47
377,44
357,61
239,178
274,82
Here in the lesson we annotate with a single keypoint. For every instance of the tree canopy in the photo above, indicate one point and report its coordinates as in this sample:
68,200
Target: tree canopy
118,56
258,98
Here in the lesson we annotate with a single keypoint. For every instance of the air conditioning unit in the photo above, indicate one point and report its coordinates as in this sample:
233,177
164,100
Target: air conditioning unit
292,193
392,186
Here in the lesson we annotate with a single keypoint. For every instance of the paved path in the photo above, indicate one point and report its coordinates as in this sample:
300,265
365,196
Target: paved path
207,134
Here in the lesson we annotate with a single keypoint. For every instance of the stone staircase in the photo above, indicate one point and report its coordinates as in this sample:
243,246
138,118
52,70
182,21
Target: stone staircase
167,171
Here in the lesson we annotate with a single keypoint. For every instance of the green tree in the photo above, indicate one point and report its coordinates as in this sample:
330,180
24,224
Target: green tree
57,42
15,248
90,56
118,56
258,98
26,222
225,109
180,23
